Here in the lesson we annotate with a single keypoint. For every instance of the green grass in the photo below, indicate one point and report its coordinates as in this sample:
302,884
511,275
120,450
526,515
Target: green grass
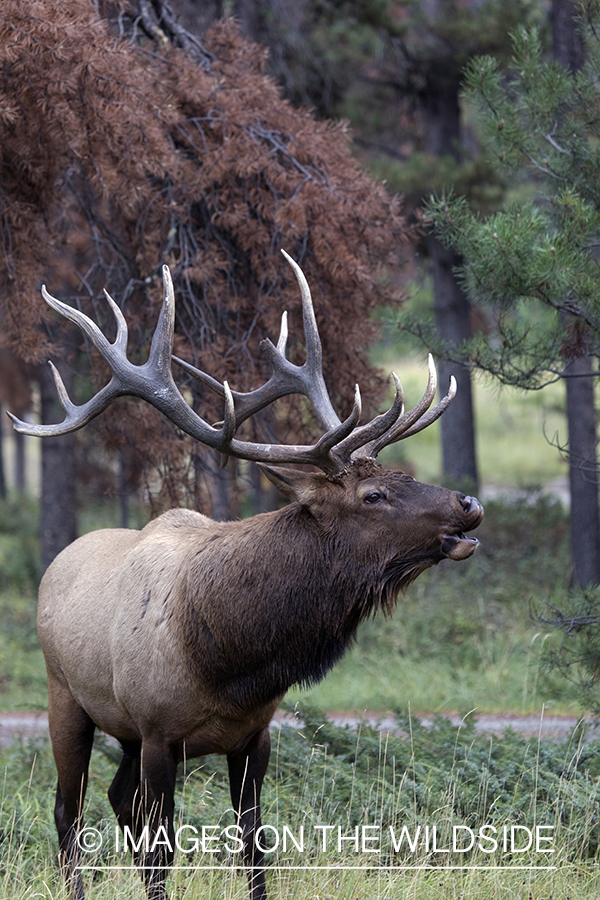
22,670
322,775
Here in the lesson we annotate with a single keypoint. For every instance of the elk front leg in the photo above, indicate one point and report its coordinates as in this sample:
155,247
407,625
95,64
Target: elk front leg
72,735
247,769
155,806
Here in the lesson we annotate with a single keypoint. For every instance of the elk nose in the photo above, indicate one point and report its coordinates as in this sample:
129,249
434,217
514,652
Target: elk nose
471,505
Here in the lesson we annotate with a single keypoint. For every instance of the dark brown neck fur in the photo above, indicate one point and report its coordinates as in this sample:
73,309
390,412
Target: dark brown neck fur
273,601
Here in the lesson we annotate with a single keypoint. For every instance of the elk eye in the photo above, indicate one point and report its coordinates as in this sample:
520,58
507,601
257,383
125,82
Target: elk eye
374,497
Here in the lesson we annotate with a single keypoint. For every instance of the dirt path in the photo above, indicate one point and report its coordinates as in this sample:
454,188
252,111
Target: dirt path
15,725
546,726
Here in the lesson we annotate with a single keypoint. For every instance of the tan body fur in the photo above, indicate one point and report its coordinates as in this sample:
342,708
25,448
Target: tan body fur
127,669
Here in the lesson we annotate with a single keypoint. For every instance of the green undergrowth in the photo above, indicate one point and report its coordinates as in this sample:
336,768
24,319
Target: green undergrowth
329,780
22,670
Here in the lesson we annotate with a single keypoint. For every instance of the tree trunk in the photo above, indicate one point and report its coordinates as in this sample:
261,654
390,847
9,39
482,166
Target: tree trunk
2,470
197,16
568,50
583,474
221,488
459,462
251,16
218,483
123,490
567,46
20,478
58,509
265,496
441,119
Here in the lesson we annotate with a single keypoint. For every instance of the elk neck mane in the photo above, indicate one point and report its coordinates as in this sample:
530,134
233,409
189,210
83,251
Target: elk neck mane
275,600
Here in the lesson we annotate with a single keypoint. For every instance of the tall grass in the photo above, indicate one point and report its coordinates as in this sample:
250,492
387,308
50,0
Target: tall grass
323,775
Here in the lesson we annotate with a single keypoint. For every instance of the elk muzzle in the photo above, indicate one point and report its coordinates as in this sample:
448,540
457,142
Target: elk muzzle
458,545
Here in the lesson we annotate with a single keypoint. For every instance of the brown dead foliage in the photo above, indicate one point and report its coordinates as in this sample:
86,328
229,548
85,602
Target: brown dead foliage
117,156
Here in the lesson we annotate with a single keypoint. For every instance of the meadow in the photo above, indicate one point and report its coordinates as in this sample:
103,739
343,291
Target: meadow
463,640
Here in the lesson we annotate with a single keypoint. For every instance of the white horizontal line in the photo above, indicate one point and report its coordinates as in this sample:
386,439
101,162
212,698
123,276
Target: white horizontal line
311,868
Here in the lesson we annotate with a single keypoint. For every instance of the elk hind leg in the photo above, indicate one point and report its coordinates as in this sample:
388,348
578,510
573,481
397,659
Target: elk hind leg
124,793
72,735
247,768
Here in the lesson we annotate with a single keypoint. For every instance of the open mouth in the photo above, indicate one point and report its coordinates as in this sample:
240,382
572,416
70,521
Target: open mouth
459,546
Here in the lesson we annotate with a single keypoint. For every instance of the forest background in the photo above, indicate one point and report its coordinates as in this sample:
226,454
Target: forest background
83,208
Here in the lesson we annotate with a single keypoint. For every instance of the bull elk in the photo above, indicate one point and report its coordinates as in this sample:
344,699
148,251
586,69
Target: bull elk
181,639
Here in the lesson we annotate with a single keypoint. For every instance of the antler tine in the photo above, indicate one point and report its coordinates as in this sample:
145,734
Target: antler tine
82,321
217,387
77,416
434,413
161,348
367,433
153,382
335,436
406,428
313,367
314,351
405,420
287,378
283,334
122,331
246,404
206,379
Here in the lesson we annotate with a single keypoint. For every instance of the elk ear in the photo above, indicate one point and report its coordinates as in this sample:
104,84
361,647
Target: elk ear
292,483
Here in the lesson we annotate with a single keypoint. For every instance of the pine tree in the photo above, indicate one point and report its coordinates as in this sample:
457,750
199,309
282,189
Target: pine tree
394,68
533,265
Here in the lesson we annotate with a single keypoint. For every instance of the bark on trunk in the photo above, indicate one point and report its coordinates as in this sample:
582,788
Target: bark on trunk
459,461
568,50
58,512
567,46
221,488
583,475
441,118
123,490
218,483
197,16
20,478
251,16
2,470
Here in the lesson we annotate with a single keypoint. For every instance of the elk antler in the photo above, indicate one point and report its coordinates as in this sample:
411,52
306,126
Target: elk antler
153,382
